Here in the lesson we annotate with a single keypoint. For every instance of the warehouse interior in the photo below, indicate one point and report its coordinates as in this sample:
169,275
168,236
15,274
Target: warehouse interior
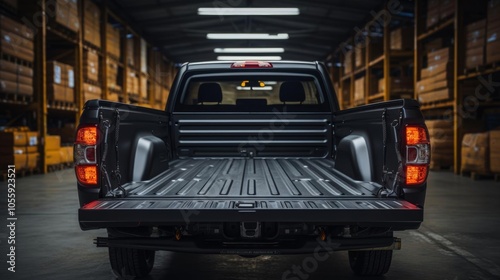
57,54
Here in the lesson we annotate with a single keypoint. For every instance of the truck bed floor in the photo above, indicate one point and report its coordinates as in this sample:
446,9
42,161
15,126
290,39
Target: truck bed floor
233,177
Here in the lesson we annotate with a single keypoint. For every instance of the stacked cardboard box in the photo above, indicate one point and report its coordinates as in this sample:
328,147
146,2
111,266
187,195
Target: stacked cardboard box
402,38
438,11
433,8
66,13
113,75
495,151
113,97
113,41
91,92
17,39
15,78
493,32
398,84
436,80
92,24
475,153
474,48
158,92
359,91
66,154
60,82
441,137
359,55
348,63
132,82
19,147
129,46
52,150
91,66
144,86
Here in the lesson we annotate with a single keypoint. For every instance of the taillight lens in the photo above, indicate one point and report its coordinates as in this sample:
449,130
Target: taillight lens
417,157
85,155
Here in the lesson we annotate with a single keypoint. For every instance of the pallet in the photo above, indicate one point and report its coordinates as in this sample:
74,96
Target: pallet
15,98
62,105
62,31
89,45
92,82
16,60
20,173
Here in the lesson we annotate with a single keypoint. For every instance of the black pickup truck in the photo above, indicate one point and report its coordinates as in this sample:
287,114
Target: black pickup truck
251,158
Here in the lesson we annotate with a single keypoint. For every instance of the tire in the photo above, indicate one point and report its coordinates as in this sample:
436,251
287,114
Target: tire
370,263
130,263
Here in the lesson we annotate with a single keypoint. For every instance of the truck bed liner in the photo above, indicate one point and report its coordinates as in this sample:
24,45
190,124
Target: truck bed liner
236,177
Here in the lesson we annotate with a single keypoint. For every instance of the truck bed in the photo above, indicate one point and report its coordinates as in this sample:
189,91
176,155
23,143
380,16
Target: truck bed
249,178
235,190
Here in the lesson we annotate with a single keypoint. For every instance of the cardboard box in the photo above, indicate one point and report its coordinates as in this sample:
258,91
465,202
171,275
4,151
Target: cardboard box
52,143
432,18
113,41
438,57
129,46
67,133
437,69
475,152
32,160
402,38
433,96
113,97
15,88
359,55
92,23
474,57
143,86
91,92
348,62
359,90
66,14
12,150
17,69
495,151
17,46
492,53
52,157
17,28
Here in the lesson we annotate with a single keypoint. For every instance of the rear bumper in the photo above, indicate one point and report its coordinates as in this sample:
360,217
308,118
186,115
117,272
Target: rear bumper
304,246
394,213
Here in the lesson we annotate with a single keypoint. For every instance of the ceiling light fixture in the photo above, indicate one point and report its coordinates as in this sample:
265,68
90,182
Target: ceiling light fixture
249,50
247,36
248,11
248,58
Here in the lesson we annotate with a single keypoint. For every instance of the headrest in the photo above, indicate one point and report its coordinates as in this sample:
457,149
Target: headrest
251,102
210,92
292,91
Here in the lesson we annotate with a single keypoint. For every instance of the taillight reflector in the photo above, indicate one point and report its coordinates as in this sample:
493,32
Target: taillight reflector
86,174
87,135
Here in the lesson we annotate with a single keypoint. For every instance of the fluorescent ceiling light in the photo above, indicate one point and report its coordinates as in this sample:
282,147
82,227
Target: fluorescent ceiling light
248,58
249,50
254,88
248,11
247,36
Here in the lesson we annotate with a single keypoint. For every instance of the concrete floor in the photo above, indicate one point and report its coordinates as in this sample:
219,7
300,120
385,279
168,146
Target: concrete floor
458,240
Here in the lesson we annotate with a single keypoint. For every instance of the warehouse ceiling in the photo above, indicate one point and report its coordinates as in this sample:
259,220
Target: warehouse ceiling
176,27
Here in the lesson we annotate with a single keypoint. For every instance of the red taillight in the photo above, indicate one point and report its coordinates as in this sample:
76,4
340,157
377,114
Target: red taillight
85,156
87,135
251,64
86,174
417,155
